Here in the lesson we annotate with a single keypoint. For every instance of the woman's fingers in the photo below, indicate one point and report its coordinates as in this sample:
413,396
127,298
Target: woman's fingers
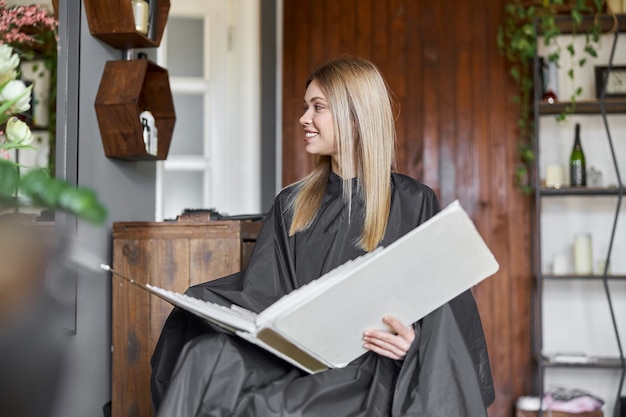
392,344
406,332
388,351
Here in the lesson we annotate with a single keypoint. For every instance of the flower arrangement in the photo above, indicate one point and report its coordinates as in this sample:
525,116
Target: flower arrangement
19,25
20,186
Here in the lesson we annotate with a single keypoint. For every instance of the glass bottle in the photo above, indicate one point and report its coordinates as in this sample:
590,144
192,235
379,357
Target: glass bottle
141,12
146,134
577,168
550,79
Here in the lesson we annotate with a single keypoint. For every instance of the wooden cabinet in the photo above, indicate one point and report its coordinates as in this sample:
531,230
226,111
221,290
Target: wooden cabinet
174,256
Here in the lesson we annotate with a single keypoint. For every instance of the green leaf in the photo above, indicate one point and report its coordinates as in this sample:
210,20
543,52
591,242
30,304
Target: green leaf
82,202
528,155
34,182
41,189
595,37
12,145
9,179
500,39
515,73
591,51
57,194
521,123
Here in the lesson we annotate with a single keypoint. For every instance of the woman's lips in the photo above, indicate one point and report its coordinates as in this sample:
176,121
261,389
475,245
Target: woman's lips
310,135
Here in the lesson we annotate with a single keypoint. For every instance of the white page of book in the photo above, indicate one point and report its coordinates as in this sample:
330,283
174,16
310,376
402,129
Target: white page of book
232,318
409,279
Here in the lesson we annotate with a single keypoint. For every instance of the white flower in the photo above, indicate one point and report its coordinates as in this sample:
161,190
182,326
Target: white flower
16,91
18,132
8,63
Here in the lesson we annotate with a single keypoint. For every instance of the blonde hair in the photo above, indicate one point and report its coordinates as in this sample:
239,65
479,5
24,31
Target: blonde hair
365,138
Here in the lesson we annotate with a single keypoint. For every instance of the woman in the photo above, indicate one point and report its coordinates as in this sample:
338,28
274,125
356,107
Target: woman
348,205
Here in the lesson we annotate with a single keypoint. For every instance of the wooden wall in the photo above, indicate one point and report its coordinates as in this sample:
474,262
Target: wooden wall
456,133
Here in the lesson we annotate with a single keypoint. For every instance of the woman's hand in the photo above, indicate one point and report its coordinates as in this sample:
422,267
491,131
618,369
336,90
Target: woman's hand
393,344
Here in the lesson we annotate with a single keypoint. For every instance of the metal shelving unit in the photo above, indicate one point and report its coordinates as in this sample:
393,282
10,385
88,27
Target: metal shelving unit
601,107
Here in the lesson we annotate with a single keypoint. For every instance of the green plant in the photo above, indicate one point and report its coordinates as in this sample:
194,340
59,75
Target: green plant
524,24
37,189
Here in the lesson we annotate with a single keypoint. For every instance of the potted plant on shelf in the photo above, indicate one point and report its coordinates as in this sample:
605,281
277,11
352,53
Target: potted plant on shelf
525,23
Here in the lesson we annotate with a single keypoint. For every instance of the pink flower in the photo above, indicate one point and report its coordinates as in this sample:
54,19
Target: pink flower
17,22
4,154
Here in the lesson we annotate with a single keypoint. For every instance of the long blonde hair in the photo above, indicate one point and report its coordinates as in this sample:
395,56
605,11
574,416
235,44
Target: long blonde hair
365,137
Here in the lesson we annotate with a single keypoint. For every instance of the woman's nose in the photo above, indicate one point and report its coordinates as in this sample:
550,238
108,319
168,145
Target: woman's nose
305,119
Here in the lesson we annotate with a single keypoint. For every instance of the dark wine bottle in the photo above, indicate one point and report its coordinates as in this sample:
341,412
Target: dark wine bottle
577,168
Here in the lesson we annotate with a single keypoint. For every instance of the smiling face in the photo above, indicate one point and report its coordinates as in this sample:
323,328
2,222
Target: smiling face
317,121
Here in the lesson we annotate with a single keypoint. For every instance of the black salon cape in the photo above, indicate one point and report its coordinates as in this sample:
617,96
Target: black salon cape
201,370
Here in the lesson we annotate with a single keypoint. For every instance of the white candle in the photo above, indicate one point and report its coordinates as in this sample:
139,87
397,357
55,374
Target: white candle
583,264
555,176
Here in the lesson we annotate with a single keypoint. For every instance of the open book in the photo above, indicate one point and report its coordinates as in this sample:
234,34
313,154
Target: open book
320,325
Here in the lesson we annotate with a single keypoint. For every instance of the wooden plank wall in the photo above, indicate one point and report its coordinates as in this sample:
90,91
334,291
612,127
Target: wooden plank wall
456,133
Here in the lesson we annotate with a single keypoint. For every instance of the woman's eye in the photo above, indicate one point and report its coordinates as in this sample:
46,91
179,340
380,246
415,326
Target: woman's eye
318,107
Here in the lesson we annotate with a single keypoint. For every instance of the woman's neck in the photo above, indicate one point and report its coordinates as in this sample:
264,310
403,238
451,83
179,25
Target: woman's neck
341,172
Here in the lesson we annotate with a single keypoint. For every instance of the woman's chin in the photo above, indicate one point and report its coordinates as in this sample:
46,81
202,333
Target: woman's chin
311,149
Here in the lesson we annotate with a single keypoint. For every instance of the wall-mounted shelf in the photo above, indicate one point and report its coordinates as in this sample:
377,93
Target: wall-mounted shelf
611,106
590,362
128,88
113,22
578,191
608,23
592,278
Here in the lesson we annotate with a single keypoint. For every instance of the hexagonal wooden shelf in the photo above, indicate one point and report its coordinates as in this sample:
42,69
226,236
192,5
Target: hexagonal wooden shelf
127,88
112,21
